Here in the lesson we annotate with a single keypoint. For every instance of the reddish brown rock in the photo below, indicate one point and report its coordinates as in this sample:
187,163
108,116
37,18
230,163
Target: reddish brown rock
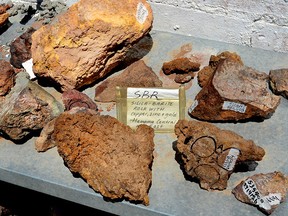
184,78
85,43
209,154
114,159
180,66
7,77
279,81
235,92
266,191
137,74
3,14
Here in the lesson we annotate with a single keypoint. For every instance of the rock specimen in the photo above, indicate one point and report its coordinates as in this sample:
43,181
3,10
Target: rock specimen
266,191
26,108
3,14
7,77
88,40
210,154
279,81
114,159
137,74
20,48
206,72
235,92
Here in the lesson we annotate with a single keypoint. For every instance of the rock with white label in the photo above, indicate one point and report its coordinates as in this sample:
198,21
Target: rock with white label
235,92
210,154
266,191
90,39
279,81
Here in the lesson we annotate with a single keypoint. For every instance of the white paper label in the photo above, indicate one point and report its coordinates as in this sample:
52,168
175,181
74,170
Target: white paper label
152,93
193,106
273,198
142,13
28,66
237,107
231,159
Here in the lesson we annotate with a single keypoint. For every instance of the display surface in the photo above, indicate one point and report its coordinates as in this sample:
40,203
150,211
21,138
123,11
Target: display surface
170,193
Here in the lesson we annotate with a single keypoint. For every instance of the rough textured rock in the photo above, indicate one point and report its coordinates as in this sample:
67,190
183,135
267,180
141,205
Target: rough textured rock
206,72
87,41
137,74
210,154
235,92
279,81
27,108
7,77
266,191
114,159
3,14
20,48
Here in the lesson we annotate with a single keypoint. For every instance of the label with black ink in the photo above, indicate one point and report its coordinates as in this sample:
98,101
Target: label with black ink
237,107
142,13
231,159
193,106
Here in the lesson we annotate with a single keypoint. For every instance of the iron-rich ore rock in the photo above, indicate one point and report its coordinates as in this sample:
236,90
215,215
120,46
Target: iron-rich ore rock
209,154
266,191
7,77
4,15
207,72
279,81
20,48
27,108
114,159
137,74
88,40
235,92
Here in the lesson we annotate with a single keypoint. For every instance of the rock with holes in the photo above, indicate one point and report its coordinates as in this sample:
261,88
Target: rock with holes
279,81
87,41
210,154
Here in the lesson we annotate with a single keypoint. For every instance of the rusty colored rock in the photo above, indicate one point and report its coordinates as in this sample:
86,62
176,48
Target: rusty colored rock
235,92
180,66
137,74
7,77
279,81
209,154
184,78
20,48
266,191
87,41
3,14
114,159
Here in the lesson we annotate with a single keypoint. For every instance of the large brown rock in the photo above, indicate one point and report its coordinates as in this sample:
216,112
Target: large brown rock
7,77
89,40
235,92
114,159
210,154
279,81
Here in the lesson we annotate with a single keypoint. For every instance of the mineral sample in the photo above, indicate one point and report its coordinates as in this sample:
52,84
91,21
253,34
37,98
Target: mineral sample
279,81
235,92
26,108
20,48
7,77
88,40
114,159
137,74
266,191
209,154
3,14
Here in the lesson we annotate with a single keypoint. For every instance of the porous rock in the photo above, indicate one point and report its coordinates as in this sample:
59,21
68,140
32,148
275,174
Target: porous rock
210,154
137,74
235,92
88,40
279,81
114,159
266,191
7,77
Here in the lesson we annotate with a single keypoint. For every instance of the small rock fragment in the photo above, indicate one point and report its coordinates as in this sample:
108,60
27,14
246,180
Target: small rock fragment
137,74
46,140
180,66
114,159
3,14
7,77
210,154
266,191
184,78
279,81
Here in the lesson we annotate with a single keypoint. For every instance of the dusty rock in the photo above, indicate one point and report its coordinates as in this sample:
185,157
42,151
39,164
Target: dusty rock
20,48
137,74
266,191
7,77
235,92
114,159
278,80
206,72
209,154
27,108
88,40
184,78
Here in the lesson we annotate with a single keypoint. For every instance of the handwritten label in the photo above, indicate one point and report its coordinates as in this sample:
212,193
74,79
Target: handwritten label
231,159
141,13
193,106
273,198
237,107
